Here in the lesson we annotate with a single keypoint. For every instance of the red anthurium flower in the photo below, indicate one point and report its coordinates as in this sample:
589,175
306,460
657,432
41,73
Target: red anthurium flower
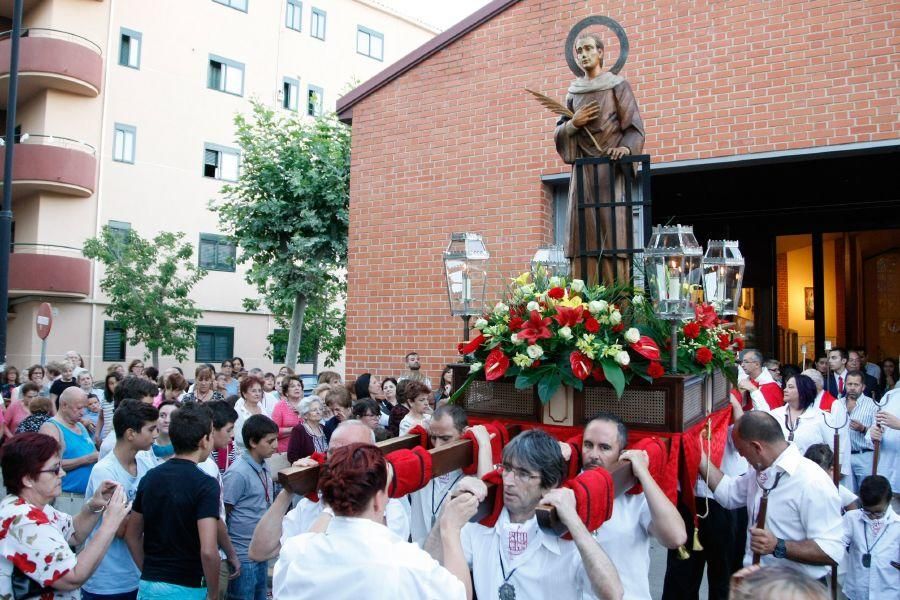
472,346
515,323
556,293
535,328
597,374
724,341
692,330
646,347
535,364
496,365
739,343
704,355
569,316
581,365
592,325
619,328
706,315
655,370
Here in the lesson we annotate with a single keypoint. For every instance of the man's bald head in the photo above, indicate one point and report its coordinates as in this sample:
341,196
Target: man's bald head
351,432
72,394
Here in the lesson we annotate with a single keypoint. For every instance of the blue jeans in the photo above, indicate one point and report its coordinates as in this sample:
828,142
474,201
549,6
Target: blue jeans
123,596
160,590
252,583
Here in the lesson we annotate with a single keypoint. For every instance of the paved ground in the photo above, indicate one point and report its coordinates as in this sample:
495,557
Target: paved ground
658,571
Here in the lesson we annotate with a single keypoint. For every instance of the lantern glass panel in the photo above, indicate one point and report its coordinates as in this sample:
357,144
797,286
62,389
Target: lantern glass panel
672,263
550,261
465,265
723,274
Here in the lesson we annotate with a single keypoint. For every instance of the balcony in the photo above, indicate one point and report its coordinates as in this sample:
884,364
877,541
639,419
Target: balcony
52,59
48,270
47,163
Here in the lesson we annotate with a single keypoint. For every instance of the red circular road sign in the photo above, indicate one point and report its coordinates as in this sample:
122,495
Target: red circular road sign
44,320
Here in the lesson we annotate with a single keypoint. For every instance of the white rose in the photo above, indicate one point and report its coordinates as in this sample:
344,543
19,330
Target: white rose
632,335
595,306
514,338
533,306
615,317
475,367
501,308
554,281
577,286
637,300
565,333
623,359
481,324
534,351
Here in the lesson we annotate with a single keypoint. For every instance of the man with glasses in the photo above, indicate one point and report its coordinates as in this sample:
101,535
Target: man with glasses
758,390
515,558
855,363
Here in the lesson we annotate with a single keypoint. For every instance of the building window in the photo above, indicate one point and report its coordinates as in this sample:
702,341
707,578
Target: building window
225,75
314,97
317,24
293,16
120,232
369,43
123,143
113,342
290,93
560,216
220,162
214,344
130,48
216,253
236,4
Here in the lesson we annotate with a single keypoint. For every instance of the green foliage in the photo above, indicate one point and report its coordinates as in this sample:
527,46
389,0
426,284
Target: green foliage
149,284
289,215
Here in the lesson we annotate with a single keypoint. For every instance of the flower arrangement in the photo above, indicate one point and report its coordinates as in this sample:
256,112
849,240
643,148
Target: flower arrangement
551,331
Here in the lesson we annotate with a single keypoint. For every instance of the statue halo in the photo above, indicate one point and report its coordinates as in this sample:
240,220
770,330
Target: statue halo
584,24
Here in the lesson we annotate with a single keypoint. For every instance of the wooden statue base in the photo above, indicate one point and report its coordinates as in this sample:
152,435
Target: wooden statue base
673,403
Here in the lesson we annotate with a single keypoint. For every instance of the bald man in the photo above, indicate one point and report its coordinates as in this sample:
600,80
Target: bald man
276,526
76,447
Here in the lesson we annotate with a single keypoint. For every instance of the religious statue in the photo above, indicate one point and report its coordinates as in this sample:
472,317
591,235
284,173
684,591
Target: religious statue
600,118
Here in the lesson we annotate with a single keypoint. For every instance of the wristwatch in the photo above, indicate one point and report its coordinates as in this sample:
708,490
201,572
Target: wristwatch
780,549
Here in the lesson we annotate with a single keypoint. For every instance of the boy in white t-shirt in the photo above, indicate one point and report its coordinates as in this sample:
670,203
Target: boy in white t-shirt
822,455
872,537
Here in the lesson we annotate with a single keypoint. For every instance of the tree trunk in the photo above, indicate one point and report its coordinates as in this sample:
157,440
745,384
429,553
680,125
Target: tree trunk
156,358
293,345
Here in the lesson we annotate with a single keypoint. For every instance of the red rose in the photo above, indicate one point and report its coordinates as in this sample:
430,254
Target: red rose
597,374
496,365
557,293
739,343
592,325
581,365
515,323
692,330
724,341
706,315
22,562
472,345
646,347
619,328
655,370
704,355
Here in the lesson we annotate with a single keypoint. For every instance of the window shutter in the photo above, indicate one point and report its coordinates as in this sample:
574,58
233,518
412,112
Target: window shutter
113,342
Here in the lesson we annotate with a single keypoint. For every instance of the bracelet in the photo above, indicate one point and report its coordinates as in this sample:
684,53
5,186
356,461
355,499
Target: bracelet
98,511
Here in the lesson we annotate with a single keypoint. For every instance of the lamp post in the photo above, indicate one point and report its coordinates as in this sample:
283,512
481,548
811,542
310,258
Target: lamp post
672,266
465,265
550,261
723,274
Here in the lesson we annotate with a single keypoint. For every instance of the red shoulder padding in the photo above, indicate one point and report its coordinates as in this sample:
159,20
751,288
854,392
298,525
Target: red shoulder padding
422,433
656,452
593,497
575,458
500,439
319,457
496,478
412,471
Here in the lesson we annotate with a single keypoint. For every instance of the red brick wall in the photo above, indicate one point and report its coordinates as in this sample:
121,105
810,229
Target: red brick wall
455,144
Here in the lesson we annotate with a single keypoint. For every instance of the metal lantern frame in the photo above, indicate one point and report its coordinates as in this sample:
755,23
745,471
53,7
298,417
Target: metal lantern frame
465,267
723,275
550,261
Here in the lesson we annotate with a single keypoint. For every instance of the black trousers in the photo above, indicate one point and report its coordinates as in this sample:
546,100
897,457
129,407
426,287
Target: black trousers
723,535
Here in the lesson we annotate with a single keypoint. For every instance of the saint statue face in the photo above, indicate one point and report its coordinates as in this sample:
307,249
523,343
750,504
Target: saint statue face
589,55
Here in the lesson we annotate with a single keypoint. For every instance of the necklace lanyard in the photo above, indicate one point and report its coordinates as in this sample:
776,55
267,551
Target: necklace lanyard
867,557
506,590
435,509
765,493
787,423
264,480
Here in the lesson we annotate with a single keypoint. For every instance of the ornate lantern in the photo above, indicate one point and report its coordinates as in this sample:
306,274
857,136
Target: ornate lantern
465,264
672,272
723,273
550,261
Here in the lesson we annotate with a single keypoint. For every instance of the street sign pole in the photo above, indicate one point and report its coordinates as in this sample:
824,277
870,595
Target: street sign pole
42,325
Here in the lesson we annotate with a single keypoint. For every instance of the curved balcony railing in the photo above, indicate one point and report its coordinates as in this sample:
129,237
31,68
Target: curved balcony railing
52,140
48,270
52,163
52,59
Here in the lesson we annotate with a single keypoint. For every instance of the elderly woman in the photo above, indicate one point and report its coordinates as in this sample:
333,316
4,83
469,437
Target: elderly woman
800,420
40,411
250,403
308,436
287,410
36,540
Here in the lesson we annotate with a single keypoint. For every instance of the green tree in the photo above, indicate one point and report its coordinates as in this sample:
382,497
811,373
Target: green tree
149,285
289,214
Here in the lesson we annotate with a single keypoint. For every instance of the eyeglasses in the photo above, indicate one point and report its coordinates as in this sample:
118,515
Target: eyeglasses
748,361
56,470
520,475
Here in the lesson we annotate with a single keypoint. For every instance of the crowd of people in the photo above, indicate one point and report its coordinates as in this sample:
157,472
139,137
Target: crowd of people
157,485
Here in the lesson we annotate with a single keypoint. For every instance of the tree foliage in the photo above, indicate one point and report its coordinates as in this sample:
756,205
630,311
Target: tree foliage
289,213
148,284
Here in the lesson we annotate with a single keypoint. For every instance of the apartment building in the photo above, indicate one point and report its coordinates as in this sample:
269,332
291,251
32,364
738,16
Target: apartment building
125,118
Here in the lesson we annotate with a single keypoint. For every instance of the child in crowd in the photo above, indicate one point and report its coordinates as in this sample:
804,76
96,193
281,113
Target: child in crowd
91,413
162,449
249,491
822,455
872,537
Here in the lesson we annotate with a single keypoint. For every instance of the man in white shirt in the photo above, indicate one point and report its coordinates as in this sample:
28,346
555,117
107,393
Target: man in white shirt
803,523
872,537
625,537
862,411
887,431
515,558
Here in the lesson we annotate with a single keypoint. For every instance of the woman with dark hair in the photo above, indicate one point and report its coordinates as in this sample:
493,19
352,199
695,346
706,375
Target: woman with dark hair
353,483
36,540
889,374
389,390
232,385
237,364
136,368
107,405
10,382
800,420
204,378
34,374
368,386
286,413
366,411
401,409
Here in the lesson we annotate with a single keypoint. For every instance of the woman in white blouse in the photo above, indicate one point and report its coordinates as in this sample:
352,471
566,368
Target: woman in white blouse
250,403
801,422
